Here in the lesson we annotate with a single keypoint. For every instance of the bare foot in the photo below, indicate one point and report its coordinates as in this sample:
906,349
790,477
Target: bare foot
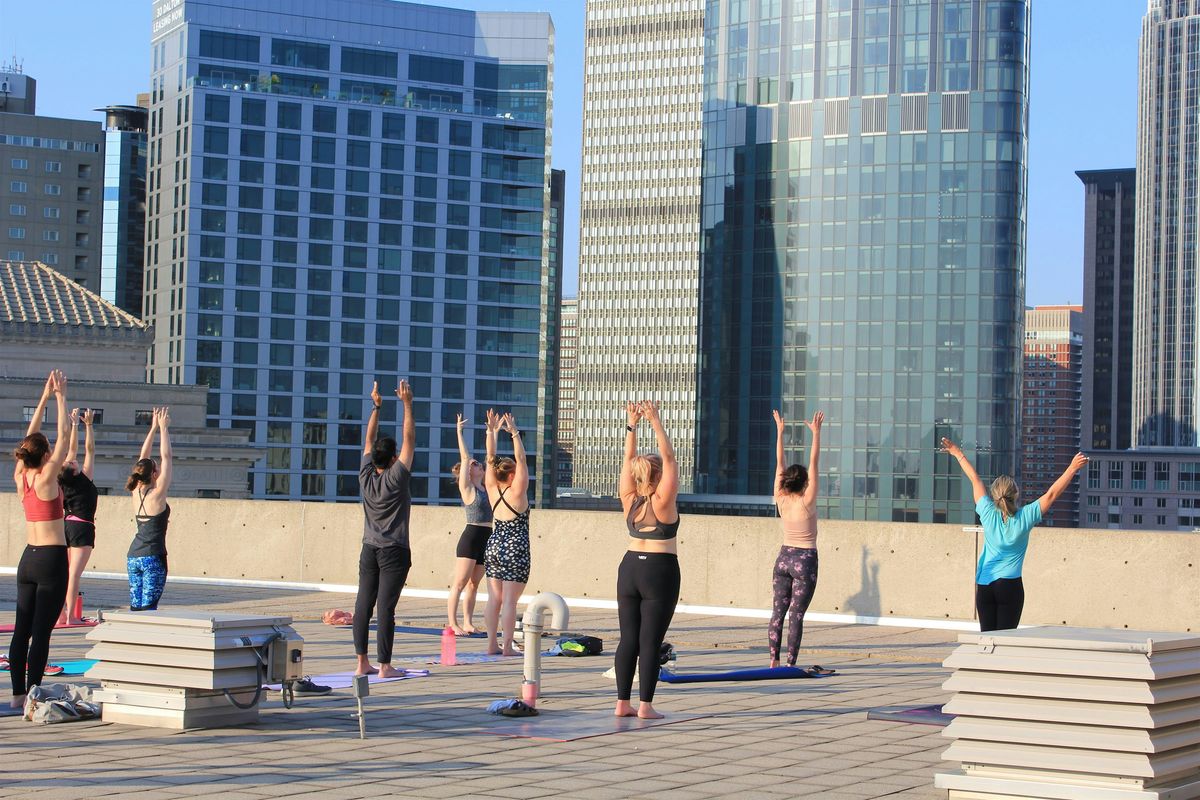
62,620
624,709
646,711
387,671
510,652
470,629
774,663
458,630
75,621
364,670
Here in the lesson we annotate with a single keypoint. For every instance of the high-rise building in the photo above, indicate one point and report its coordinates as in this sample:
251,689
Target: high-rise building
331,202
639,228
550,368
122,248
1107,308
51,173
1166,406
567,360
863,245
1050,418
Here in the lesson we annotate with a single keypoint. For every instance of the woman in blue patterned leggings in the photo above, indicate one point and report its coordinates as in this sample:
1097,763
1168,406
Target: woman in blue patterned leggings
146,560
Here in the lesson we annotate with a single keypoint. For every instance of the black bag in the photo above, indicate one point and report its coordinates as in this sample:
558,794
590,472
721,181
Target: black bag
588,646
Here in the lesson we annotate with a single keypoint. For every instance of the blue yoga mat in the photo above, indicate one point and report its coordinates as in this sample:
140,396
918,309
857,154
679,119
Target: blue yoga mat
736,675
77,667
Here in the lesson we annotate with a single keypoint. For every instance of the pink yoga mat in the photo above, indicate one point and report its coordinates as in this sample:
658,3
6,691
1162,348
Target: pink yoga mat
344,680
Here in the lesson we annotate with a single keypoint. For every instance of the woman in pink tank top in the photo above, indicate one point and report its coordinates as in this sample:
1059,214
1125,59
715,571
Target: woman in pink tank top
794,578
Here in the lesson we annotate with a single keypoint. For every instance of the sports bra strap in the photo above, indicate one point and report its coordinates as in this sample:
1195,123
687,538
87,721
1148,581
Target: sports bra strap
503,499
142,506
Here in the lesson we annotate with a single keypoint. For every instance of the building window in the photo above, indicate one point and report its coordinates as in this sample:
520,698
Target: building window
50,236
16,255
16,233
16,210
228,46
306,55
53,166
1093,480
1160,519
52,189
1116,474
1137,519
1162,475
1160,502
50,259
1093,517
20,163
1139,475
18,187
143,416
27,413
51,212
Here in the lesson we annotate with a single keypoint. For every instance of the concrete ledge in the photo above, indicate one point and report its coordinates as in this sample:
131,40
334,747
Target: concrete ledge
902,573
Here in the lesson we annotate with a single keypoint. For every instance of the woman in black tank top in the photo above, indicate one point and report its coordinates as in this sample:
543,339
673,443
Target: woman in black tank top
648,578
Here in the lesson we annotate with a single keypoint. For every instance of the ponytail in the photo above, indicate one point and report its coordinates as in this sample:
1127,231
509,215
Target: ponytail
1005,495
142,472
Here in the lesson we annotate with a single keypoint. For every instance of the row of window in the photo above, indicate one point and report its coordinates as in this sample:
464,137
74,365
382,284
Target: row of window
50,166
50,259
370,62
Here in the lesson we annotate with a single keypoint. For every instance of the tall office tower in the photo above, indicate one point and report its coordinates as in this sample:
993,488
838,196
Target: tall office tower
1166,313
346,199
551,336
863,245
1050,419
639,228
50,185
123,242
1107,308
567,360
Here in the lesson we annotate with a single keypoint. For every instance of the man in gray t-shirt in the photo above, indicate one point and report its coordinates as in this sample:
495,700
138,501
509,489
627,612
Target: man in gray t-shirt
385,558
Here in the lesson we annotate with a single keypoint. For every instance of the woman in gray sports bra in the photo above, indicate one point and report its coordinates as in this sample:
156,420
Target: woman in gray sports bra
472,545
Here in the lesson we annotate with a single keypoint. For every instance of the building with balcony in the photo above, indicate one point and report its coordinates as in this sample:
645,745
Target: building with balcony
1051,399
347,199
51,180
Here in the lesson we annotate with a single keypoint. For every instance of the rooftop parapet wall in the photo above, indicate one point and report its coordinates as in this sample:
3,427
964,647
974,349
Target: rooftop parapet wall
1088,578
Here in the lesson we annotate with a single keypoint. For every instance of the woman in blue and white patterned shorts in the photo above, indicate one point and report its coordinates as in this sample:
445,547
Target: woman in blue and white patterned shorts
506,562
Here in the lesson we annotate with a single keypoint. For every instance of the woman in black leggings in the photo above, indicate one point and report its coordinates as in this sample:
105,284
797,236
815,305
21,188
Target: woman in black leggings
42,572
648,578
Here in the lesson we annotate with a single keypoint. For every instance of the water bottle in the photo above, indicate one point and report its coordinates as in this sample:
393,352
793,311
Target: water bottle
449,644
529,692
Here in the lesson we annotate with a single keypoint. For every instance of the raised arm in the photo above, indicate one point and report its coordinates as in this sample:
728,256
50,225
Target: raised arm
464,461
89,444
408,442
489,472
977,488
520,481
52,467
373,420
626,487
780,422
148,445
73,444
164,452
35,422
814,456
1059,486
668,485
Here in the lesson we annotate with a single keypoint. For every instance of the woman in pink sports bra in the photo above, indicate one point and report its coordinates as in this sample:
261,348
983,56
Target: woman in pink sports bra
794,578
42,571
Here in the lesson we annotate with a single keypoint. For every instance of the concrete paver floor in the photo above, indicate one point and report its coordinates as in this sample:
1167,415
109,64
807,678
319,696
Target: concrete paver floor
430,737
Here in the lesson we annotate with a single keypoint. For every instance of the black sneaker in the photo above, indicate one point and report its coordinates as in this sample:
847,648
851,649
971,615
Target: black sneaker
306,686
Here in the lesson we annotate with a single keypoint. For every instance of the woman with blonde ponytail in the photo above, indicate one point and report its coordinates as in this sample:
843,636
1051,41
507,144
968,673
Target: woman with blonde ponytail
648,578
999,592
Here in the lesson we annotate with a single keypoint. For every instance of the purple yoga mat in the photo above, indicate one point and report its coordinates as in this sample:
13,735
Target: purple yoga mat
344,680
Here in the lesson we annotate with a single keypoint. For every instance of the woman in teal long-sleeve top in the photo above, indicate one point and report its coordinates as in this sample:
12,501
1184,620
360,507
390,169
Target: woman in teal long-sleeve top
999,592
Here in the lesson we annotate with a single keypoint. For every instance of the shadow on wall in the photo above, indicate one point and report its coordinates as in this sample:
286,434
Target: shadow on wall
865,602
1166,430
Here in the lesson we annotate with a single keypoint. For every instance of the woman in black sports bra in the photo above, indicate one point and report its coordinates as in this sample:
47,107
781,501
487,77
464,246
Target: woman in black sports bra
506,560
648,578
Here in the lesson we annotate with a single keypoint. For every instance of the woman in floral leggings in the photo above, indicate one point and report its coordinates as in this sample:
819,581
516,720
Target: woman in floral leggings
794,578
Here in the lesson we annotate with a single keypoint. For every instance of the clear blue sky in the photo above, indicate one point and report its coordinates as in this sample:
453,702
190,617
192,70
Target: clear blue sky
1083,107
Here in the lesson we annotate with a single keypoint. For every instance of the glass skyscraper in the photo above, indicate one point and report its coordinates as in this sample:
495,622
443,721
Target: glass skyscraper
122,247
863,245
1166,405
360,195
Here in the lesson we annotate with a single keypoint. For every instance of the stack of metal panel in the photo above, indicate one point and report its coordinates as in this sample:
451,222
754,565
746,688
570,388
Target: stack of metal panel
1074,714
184,669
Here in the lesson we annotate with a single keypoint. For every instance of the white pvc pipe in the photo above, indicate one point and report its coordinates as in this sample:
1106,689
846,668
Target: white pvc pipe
531,625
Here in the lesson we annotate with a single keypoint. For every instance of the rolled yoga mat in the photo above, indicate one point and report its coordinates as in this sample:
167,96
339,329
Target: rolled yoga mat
778,673
921,715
